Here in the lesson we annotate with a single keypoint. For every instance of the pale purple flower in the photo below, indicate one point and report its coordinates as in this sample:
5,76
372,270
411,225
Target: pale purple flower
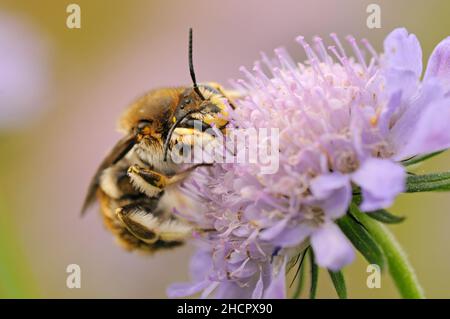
345,124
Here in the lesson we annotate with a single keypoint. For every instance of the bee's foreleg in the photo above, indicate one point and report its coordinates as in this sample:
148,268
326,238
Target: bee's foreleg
150,182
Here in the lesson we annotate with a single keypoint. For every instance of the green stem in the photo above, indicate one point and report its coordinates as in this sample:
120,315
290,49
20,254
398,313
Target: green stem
399,267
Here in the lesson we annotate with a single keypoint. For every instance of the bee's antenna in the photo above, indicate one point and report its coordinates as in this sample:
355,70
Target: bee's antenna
191,67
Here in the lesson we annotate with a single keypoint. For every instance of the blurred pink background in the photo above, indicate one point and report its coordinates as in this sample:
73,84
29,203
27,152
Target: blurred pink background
87,76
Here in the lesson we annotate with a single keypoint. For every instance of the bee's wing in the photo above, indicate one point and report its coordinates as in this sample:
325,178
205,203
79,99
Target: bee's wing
122,147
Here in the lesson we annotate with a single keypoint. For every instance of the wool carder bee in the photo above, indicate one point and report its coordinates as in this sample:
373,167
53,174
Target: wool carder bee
136,182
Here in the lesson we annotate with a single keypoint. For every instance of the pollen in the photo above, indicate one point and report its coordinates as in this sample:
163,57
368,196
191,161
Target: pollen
374,120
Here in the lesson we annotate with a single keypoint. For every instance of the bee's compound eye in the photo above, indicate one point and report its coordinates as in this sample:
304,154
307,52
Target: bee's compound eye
143,123
143,127
185,102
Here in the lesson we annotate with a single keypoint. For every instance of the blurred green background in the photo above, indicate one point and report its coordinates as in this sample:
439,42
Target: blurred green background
75,83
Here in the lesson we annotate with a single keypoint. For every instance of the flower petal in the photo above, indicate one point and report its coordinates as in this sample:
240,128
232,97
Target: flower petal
209,289
388,112
381,181
275,230
439,64
405,125
332,249
334,190
432,132
259,288
405,81
402,51
277,287
231,290
324,185
185,289
200,264
292,236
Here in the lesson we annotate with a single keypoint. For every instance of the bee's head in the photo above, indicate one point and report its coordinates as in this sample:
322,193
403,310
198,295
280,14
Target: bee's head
151,114
209,109
204,103
200,106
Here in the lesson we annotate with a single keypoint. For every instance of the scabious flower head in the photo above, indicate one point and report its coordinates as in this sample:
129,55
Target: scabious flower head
346,122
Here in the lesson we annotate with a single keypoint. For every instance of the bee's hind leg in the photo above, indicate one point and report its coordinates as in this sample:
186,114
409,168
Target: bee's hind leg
139,221
144,222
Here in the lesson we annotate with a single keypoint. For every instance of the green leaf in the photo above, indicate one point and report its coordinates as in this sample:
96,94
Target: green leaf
298,273
418,159
385,217
300,281
362,240
339,283
433,177
314,275
428,182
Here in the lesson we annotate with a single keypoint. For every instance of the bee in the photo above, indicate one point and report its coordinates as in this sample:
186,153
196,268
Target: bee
136,182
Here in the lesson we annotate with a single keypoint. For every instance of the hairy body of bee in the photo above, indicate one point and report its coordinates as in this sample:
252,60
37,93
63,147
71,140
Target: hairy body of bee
124,237
135,183
135,204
